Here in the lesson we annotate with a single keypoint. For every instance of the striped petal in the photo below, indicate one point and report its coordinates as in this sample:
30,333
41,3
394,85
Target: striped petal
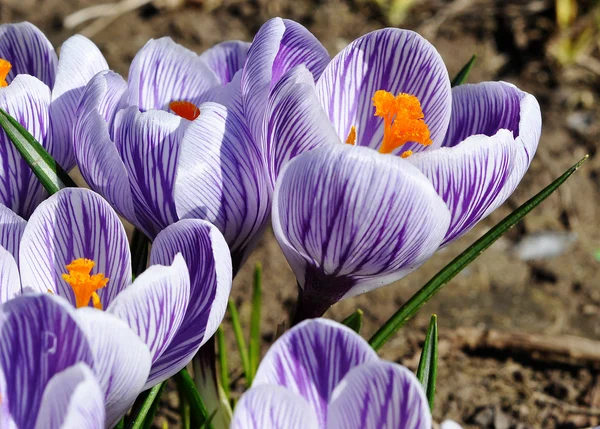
11,231
295,121
79,61
154,307
163,71
379,395
397,61
10,281
74,223
149,145
39,337
311,359
350,219
72,400
279,46
226,58
27,100
209,264
29,52
121,360
222,178
273,407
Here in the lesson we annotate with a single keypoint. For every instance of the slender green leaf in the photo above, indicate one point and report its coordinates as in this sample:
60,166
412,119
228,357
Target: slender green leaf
410,308
121,424
462,75
143,407
149,420
354,321
139,252
223,363
254,350
45,168
184,408
198,411
427,370
208,423
240,341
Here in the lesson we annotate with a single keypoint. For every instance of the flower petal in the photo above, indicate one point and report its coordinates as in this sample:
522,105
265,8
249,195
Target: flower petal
29,52
27,100
222,178
97,156
279,46
79,61
273,407
350,219
74,223
397,61
72,400
379,395
295,121
10,281
11,231
121,360
39,337
226,58
154,307
312,358
163,71
149,145
207,257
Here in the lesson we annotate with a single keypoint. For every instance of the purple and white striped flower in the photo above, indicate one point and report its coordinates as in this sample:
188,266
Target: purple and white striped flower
353,217
65,368
321,374
42,92
75,246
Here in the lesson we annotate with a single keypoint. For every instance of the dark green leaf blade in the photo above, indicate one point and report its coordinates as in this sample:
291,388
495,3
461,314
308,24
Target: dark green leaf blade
410,308
143,407
462,75
240,341
198,411
254,347
223,363
427,370
354,321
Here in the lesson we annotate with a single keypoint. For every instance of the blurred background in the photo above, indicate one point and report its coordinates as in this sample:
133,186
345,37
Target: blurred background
507,355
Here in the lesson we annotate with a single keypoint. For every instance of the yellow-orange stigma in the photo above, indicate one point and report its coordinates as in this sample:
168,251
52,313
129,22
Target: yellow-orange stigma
185,109
84,284
403,121
351,136
5,67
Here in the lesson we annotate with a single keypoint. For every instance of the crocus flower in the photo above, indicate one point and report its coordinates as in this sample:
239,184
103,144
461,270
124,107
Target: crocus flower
352,217
321,374
76,243
66,368
42,93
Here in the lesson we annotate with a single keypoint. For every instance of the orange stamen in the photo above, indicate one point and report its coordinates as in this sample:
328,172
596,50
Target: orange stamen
351,136
5,67
185,109
83,284
402,121
406,153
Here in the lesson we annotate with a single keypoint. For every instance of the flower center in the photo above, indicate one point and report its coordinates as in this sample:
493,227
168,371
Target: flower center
185,109
5,67
83,284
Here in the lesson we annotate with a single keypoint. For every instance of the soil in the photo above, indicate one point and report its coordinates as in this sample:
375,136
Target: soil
490,387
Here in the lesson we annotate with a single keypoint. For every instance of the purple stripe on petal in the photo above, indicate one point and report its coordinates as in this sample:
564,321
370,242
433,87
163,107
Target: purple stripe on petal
29,52
379,395
273,407
11,231
10,281
311,359
39,337
397,61
27,100
74,223
226,58
207,257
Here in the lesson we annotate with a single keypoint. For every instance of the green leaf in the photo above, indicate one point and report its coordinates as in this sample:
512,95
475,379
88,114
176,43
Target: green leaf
143,407
254,350
121,424
427,370
184,409
223,363
240,341
208,423
354,321
462,75
410,308
45,168
139,252
198,411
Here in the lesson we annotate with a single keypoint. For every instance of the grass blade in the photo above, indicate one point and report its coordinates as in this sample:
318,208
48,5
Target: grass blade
254,350
240,341
45,168
462,75
223,364
433,286
143,407
354,321
427,370
198,412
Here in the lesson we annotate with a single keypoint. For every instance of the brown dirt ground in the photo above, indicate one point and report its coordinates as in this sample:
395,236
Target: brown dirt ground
491,388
